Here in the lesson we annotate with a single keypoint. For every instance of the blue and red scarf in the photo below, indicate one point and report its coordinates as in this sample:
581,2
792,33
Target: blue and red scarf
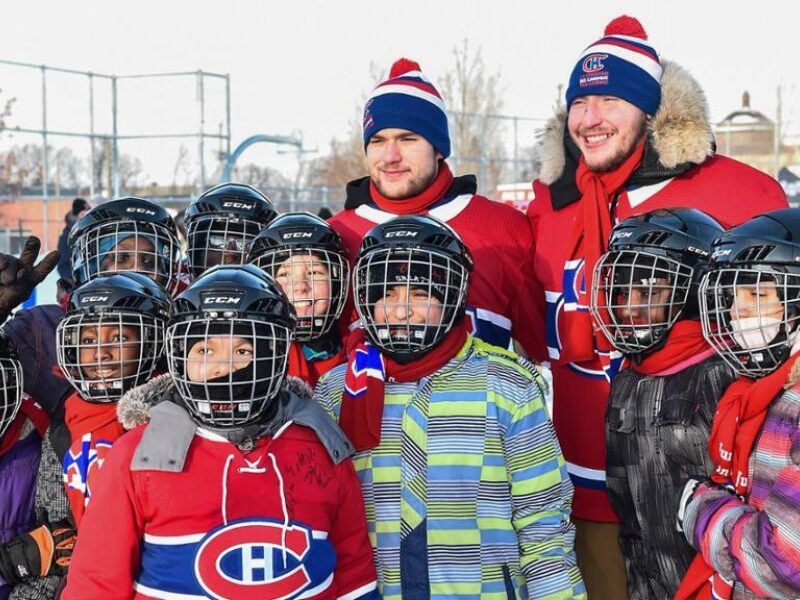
368,370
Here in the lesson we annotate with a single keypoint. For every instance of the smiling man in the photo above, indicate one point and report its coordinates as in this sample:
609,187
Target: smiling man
407,140
635,137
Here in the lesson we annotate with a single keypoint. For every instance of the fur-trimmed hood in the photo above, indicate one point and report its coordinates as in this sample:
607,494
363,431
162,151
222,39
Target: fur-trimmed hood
680,133
133,409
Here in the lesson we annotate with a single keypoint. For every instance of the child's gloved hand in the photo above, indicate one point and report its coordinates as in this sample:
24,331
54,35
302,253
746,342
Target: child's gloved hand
46,550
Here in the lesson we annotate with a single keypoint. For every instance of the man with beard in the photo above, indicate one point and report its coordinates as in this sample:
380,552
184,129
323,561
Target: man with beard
407,141
635,137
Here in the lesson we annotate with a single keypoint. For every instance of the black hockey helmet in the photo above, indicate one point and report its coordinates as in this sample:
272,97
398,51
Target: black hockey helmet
424,257
10,384
650,276
307,258
112,335
227,345
126,234
221,223
750,298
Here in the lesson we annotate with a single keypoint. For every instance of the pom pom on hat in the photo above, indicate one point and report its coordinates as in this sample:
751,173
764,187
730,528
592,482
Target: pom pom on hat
626,25
402,66
408,100
622,64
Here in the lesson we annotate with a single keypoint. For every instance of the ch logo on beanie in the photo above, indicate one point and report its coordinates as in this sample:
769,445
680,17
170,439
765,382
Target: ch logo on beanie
594,63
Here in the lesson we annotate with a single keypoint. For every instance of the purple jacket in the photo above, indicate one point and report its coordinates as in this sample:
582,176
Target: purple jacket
18,472
755,542
33,333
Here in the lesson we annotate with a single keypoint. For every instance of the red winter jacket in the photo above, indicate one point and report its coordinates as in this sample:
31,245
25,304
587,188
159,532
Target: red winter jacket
279,520
502,287
726,189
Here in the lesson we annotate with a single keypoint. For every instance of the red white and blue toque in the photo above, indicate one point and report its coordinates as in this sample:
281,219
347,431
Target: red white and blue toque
408,100
623,64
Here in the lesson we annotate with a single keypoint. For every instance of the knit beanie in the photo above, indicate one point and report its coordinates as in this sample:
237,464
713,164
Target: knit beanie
621,63
407,100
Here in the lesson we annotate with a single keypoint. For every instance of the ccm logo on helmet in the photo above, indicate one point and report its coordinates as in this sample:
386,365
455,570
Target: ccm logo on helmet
222,300
140,211
241,205
403,234
293,235
86,299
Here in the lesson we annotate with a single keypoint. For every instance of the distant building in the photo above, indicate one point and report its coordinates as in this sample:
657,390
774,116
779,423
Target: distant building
748,135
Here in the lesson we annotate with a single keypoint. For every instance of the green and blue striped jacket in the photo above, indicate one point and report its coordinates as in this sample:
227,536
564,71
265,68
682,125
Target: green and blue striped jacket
467,494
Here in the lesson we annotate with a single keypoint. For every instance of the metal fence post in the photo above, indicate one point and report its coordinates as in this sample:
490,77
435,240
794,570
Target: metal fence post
114,139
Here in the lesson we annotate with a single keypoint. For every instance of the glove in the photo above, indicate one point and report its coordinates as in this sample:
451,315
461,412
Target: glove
686,497
18,276
47,550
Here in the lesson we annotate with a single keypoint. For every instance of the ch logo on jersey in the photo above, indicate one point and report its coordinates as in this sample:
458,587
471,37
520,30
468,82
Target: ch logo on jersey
575,298
82,462
255,559
573,283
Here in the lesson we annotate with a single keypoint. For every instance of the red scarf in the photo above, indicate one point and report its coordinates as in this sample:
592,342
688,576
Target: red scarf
589,240
740,415
311,371
28,411
361,414
93,427
684,341
416,204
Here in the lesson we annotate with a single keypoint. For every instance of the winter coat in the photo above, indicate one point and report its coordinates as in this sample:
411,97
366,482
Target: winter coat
30,487
679,169
193,515
467,494
657,430
755,540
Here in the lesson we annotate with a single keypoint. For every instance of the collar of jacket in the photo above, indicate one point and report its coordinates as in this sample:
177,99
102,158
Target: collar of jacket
358,190
170,430
680,136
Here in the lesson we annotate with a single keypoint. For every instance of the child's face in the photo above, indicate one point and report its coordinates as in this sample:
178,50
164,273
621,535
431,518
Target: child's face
758,300
403,304
224,250
217,356
306,281
644,304
109,351
134,253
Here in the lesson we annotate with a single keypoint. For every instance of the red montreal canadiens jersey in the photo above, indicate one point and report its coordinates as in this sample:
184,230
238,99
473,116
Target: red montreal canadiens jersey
502,287
280,521
725,189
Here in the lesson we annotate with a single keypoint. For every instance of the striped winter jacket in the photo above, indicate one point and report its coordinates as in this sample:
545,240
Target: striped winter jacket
467,495
757,542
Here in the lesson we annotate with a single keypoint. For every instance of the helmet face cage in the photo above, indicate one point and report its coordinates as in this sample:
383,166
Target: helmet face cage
408,300
227,371
315,280
105,355
637,297
10,392
750,316
147,248
219,240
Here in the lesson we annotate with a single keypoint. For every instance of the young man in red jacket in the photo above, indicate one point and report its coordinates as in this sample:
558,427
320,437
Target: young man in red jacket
635,137
407,141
